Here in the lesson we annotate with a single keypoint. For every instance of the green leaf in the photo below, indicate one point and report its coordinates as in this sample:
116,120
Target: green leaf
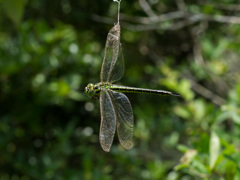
214,149
182,148
14,10
180,166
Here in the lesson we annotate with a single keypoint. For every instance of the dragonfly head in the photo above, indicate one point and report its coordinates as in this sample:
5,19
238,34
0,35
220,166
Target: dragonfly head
89,90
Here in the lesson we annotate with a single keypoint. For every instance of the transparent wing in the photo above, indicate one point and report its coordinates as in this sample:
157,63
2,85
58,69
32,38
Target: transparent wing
124,117
113,63
108,121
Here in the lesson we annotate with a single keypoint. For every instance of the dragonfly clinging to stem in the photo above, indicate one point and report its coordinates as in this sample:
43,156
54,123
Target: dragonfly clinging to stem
115,108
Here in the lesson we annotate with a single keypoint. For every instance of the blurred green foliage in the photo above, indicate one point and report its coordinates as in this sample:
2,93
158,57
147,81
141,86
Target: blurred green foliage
49,51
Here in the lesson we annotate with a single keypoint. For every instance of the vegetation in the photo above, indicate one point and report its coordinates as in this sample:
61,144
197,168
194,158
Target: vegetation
49,51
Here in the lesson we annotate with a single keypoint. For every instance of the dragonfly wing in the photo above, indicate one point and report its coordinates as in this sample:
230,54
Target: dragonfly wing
113,65
108,121
124,117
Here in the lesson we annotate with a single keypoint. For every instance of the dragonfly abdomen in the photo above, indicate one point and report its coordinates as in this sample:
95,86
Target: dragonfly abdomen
126,89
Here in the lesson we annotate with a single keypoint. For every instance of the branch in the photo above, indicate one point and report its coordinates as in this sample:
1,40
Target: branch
145,23
228,7
148,10
222,19
141,20
181,5
207,94
196,32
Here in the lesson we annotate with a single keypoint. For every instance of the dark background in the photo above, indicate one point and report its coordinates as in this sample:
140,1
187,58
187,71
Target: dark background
50,50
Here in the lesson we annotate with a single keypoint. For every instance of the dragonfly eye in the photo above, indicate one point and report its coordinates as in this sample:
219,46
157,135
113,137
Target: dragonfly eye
89,86
86,89
89,90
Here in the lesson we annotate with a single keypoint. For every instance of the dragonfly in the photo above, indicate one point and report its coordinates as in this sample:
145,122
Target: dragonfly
115,108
